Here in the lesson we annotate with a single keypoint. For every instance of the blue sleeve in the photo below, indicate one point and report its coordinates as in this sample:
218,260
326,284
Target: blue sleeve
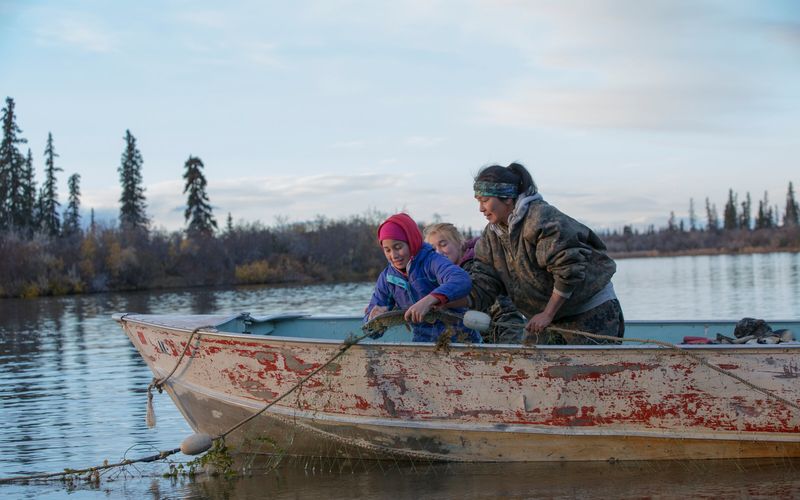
454,282
381,296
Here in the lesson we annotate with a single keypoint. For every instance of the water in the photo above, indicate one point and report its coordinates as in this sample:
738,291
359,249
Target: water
72,390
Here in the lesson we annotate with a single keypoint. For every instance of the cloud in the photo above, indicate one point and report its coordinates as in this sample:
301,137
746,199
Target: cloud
423,142
255,198
84,34
260,53
651,106
352,145
620,64
205,18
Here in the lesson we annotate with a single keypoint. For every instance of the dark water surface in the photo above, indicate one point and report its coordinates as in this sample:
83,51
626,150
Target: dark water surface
72,394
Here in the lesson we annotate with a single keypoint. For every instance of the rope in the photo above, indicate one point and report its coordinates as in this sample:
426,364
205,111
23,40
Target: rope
348,343
151,458
376,325
668,345
150,415
157,383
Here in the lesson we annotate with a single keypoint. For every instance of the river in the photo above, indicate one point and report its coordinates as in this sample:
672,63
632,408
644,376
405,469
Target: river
73,393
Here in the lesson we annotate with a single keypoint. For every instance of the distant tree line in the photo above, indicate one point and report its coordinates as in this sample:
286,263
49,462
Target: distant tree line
49,251
740,230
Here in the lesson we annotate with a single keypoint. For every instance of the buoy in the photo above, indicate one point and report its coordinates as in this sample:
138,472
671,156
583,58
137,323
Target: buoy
477,321
196,444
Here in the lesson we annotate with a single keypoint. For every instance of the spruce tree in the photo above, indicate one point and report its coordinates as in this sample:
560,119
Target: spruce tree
692,216
730,219
48,196
712,218
132,214
28,216
761,221
11,163
72,215
744,217
198,211
791,216
229,224
764,217
671,225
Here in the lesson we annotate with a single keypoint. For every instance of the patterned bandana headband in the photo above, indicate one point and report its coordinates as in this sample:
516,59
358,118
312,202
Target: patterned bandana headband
496,189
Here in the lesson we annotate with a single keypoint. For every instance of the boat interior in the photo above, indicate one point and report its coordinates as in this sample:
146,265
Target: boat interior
300,325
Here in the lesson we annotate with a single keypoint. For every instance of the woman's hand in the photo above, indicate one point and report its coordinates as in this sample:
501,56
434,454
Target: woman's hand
538,323
417,312
376,311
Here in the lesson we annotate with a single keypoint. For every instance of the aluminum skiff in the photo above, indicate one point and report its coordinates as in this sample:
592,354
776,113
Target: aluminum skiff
391,398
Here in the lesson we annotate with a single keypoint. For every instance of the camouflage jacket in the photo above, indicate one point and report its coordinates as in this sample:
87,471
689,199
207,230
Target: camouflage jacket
541,250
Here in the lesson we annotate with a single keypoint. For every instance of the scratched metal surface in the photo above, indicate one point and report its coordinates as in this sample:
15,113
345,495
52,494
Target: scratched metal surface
473,390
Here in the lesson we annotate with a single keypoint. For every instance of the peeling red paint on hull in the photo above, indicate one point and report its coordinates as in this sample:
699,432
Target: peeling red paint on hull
485,403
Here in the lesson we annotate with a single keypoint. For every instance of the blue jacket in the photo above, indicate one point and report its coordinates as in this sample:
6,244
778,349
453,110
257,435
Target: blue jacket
428,272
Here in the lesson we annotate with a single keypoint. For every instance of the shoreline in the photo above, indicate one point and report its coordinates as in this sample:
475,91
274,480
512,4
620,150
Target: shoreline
638,254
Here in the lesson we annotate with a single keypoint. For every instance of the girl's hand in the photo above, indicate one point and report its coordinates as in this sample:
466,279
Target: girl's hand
417,312
376,311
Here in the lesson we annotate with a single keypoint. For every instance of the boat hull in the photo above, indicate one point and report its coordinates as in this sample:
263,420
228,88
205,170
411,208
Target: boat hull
477,403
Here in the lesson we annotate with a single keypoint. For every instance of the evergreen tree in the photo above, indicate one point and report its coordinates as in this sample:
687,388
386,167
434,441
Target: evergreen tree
730,220
744,217
229,224
764,216
48,196
72,215
198,211
132,214
27,213
712,219
692,216
92,224
11,164
671,225
791,216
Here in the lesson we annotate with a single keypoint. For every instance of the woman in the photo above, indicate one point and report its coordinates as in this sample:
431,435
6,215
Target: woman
554,268
447,241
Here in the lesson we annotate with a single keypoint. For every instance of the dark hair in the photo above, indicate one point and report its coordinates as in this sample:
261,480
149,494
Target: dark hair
515,173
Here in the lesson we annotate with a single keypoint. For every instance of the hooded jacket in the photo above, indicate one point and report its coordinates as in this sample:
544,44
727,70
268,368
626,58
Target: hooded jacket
428,272
542,250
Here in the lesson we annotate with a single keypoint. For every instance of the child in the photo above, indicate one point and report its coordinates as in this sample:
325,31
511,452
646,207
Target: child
447,241
417,278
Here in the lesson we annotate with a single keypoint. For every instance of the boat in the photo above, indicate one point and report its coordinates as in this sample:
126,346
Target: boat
293,384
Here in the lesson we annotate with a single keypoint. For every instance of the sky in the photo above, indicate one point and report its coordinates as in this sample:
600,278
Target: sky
622,110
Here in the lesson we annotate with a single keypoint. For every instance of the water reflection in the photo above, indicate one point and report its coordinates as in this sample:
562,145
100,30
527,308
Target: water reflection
72,388
710,287
742,479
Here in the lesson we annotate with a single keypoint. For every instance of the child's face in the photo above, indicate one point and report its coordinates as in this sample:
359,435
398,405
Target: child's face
444,246
397,253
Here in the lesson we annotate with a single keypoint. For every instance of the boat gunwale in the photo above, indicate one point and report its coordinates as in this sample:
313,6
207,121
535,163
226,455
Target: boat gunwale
207,330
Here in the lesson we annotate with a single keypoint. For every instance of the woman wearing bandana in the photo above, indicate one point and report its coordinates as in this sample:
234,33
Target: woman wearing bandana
553,268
